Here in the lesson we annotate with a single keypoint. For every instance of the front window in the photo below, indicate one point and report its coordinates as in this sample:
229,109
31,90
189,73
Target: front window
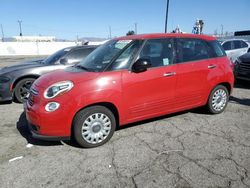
159,51
100,59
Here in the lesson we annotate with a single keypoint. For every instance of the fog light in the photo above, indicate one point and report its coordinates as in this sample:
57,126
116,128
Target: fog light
52,106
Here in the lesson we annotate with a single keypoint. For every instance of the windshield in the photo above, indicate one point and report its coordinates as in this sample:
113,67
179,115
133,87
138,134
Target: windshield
55,56
100,58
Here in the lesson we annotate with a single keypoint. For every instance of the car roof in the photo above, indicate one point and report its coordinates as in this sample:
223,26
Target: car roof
165,35
226,40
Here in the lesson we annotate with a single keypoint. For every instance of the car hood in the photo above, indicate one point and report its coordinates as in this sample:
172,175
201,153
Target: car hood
245,57
75,76
22,65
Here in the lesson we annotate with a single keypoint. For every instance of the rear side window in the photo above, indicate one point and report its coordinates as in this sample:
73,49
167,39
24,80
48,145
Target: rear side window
216,49
191,50
237,44
243,44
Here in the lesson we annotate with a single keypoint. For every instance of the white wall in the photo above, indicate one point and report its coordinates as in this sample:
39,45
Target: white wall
32,48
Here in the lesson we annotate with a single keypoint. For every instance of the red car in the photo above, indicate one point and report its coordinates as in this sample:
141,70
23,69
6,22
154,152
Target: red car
129,79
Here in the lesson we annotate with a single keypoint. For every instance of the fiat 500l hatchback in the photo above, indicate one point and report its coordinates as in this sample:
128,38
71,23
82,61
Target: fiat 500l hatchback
129,79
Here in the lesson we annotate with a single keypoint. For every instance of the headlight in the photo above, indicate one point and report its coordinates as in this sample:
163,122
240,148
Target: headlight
237,61
4,79
58,88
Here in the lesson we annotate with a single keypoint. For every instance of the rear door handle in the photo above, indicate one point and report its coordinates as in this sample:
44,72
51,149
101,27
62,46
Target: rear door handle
169,74
211,66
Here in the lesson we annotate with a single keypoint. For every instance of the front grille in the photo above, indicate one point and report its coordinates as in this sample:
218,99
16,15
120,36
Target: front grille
30,101
244,66
33,93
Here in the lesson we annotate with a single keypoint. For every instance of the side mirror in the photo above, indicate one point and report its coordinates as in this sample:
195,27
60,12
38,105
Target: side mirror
141,65
63,61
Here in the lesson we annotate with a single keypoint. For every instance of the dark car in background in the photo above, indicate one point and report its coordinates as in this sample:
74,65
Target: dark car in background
242,67
16,80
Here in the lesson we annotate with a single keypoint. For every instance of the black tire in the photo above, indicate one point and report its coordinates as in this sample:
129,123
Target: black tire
84,115
21,89
210,105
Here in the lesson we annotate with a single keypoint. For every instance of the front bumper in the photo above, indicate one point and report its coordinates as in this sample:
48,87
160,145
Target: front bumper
44,137
242,75
44,125
5,93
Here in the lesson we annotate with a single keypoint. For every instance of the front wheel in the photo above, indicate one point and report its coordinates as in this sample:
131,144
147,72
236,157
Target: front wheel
22,89
93,126
218,99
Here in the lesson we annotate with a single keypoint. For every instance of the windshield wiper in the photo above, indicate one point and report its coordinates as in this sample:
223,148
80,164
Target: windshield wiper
82,67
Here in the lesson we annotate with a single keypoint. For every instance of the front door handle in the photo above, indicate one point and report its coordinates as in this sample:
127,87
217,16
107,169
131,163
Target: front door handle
169,74
211,66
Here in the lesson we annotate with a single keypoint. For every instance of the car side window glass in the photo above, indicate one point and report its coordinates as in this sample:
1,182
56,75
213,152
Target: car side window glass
123,61
216,49
191,50
78,55
237,44
243,44
159,51
227,46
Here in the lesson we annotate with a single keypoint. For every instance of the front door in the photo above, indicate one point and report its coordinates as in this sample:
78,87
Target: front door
151,93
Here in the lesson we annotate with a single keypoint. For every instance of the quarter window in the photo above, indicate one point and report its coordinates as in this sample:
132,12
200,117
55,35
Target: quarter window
159,51
191,50
243,44
123,61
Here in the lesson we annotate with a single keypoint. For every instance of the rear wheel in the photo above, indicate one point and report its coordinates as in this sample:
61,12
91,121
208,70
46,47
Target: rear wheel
22,89
93,126
218,99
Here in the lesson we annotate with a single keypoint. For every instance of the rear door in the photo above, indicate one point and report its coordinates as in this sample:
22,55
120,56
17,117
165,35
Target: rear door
192,73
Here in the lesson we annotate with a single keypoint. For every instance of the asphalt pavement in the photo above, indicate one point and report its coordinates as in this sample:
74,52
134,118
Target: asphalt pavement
186,149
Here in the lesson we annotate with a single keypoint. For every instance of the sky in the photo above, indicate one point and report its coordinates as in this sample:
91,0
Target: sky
67,19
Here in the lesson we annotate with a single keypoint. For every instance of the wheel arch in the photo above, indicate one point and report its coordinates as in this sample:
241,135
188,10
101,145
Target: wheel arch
108,105
23,77
227,85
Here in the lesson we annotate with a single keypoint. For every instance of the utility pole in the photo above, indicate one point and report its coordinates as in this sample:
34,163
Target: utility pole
135,28
110,32
166,21
2,33
221,30
20,27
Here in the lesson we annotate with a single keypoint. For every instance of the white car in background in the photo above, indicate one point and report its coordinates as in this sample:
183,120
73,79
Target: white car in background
235,48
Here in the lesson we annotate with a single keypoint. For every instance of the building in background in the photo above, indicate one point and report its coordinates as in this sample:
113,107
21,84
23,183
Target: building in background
34,38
